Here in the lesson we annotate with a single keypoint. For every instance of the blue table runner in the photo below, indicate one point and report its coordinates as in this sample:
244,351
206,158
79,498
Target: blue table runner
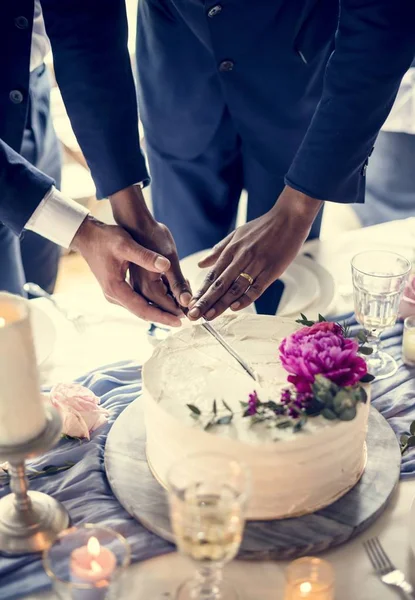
84,488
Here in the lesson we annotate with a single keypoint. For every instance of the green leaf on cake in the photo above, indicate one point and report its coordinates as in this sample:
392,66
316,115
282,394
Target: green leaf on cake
321,319
412,428
226,420
214,409
194,409
329,414
227,406
368,378
283,424
366,350
348,414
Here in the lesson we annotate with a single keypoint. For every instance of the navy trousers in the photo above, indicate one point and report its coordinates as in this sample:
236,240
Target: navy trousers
390,180
198,198
33,258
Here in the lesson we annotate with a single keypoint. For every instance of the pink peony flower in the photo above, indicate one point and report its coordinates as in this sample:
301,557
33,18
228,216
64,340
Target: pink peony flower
79,408
321,350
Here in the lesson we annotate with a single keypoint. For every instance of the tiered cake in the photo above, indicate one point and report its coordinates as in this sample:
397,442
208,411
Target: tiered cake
294,471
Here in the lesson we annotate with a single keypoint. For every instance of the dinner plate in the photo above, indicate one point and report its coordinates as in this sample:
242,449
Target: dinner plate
44,332
309,287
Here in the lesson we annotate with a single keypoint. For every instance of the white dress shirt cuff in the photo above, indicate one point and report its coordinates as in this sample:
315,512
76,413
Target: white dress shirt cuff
57,218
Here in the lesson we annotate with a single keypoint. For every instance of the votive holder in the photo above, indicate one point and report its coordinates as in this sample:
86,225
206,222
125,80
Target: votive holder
408,342
309,578
88,563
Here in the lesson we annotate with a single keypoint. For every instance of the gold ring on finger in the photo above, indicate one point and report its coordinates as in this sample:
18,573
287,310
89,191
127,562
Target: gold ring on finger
247,277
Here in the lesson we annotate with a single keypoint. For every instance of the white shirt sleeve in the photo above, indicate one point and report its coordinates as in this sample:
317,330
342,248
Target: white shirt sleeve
57,218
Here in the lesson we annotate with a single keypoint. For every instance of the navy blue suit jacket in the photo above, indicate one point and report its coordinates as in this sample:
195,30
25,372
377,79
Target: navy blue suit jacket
309,84
93,70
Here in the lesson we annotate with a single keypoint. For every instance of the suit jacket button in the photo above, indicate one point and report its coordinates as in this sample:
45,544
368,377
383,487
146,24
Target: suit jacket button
16,97
215,10
226,65
21,22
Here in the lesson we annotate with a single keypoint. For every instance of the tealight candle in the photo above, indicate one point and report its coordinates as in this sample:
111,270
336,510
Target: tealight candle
309,579
92,564
22,412
408,344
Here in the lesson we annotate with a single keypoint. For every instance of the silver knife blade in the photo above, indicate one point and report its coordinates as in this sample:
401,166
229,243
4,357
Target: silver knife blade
228,348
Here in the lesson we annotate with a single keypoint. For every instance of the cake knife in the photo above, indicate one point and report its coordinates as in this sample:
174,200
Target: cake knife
215,333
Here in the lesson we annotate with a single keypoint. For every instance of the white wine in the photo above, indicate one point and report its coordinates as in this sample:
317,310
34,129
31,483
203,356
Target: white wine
376,312
208,527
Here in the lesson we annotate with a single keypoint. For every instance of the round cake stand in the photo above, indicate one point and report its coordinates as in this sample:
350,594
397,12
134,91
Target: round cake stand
142,496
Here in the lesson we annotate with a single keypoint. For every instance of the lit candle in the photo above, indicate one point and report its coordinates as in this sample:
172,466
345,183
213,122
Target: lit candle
309,579
22,412
95,565
408,344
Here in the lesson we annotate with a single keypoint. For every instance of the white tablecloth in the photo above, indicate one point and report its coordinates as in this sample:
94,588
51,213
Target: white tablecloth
115,335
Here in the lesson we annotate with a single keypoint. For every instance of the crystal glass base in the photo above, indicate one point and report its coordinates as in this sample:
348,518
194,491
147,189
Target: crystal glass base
382,365
31,530
190,590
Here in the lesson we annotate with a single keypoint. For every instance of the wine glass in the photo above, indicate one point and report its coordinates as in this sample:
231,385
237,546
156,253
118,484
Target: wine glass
379,279
208,495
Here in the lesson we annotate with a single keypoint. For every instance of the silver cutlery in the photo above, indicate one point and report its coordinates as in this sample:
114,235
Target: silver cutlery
77,319
215,333
385,569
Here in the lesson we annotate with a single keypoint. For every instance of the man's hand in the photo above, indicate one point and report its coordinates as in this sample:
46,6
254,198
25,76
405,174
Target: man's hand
253,256
169,290
110,252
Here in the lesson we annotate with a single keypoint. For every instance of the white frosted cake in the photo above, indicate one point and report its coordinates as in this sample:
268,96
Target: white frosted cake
293,472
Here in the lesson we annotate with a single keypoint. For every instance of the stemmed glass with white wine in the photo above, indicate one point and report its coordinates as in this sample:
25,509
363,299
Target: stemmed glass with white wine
379,279
208,495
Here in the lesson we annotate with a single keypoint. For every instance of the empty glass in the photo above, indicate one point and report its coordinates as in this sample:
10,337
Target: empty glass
379,279
208,494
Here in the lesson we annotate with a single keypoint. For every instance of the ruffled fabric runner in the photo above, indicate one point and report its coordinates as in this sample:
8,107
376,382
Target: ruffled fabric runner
84,489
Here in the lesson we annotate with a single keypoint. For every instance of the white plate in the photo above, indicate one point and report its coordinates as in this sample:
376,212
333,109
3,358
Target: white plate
324,301
309,287
300,291
44,332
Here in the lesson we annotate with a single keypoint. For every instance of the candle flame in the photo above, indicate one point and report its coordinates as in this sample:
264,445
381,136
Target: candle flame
2,322
95,567
93,546
306,587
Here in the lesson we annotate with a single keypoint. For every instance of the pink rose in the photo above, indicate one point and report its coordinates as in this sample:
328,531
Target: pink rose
79,408
321,350
407,305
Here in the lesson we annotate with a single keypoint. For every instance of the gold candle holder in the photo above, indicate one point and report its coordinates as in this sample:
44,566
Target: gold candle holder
309,578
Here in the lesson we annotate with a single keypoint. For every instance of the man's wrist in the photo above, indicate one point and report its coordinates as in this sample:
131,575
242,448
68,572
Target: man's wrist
297,206
130,210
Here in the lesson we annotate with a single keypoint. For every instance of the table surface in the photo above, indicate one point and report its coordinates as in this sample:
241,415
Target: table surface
114,335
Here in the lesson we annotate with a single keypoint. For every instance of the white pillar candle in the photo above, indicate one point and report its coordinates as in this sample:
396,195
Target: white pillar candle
408,344
22,412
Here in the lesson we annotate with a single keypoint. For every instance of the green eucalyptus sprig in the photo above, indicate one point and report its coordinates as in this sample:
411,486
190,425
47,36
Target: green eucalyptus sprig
213,417
407,439
334,402
361,336
275,413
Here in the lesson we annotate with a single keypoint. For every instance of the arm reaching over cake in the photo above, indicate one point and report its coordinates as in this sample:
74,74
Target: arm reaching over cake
360,85
253,256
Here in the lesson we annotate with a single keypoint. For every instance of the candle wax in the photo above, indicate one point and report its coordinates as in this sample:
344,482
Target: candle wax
22,410
96,570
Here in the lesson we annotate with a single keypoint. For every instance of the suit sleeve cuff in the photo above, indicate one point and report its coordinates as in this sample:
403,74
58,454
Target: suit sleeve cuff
57,218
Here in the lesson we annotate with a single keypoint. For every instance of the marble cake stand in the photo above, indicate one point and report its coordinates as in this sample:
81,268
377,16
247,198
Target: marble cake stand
143,498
